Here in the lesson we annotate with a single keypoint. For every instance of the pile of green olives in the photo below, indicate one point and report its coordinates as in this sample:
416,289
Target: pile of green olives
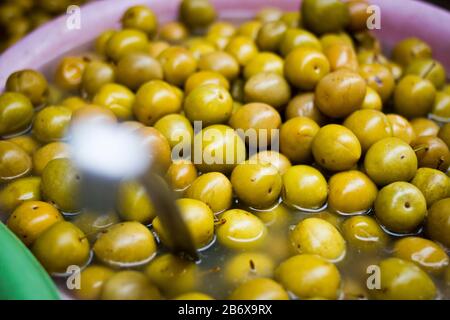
352,168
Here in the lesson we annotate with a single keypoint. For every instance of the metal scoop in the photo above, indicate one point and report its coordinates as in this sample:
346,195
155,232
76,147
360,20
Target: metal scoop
106,154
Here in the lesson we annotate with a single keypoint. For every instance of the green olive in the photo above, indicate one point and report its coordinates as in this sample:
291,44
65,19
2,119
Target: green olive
379,78
69,72
402,280
214,189
304,187
432,152
250,29
181,175
319,237
28,143
125,41
96,74
222,28
302,105
48,152
178,64
340,93
154,100
129,285
209,103
16,113
364,234
345,189
133,203
173,32
444,134
296,137
336,148
424,253
197,13
14,161
92,280
173,275
269,14
241,230
264,62
193,296
198,47
441,106
276,159
372,100
309,276
92,223
438,222
341,56
176,128
60,185
117,98
30,219
135,69
323,16
245,266
434,184
52,123
30,83
401,207
410,49
259,289
242,48
414,96
205,77
359,15
125,244
155,141
298,38
199,220
102,40
220,62
141,18
292,19
270,35
19,191
369,126
401,128
60,246
428,69
390,160
268,88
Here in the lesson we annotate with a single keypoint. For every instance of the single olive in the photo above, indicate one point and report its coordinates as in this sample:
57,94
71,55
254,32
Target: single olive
414,96
259,289
133,203
256,184
302,105
401,128
309,276
60,185
319,237
432,152
237,90
245,266
52,123
30,219
155,141
341,56
438,222
14,161
250,29
156,47
293,19
60,246
304,187
340,93
92,280
141,18
298,38
129,285
17,192
410,49
214,189
177,129
125,244
48,152
16,113
296,137
428,69
205,77
199,220
117,98
197,14
363,233
305,67
345,189
173,275
73,102
390,160
276,159
240,230
425,253
93,113
96,74
209,103
441,106
369,126
173,32
336,148
403,280
401,207
269,14
330,39
178,64
218,148
222,28
444,134
220,62
271,35
28,143
102,40
275,218
181,175
434,184
242,48
218,41
264,62
199,47
359,15
69,72
269,88
30,83
135,69
125,41
154,100
193,296
323,16
93,223
379,78
261,119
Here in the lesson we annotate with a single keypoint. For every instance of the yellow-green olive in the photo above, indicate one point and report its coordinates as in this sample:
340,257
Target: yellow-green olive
18,191
193,296
250,29
372,100
140,18
178,64
117,98
129,285
302,105
69,72
173,32
264,62
28,143
16,113
221,62
259,289
52,123
47,153
205,77
276,159
30,83
298,38
410,49
14,161
401,128
441,106
363,233
135,69
242,48
133,203
296,136
379,78
434,184
438,222
428,69
432,152
245,266
125,41
424,127
269,88
92,280
181,174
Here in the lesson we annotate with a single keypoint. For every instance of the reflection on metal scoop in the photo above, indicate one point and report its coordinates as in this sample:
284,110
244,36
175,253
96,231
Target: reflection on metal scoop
106,154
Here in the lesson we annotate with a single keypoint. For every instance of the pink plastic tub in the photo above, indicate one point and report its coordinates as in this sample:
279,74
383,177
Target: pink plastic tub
399,19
